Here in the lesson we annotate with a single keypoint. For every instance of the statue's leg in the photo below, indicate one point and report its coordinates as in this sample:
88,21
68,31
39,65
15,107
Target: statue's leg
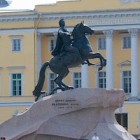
89,63
64,72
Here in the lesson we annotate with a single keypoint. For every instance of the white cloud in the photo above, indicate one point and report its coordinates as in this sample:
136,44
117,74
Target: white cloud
26,4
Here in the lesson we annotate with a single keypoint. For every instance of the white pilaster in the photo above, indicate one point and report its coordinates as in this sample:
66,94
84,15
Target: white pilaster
55,35
109,57
84,76
38,52
121,78
134,62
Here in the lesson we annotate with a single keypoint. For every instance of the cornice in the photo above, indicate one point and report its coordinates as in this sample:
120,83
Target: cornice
99,20
90,14
16,32
72,15
18,18
3,104
16,67
102,20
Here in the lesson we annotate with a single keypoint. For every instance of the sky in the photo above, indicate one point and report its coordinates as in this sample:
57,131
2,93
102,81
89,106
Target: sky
27,4
30,4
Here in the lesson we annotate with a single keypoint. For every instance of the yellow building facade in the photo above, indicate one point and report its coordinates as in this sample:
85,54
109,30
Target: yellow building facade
28,37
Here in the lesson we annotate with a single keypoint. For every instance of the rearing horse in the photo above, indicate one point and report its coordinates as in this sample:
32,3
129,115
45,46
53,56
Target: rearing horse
81,42
61,64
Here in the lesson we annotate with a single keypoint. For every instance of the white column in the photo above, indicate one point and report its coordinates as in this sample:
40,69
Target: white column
134,62
38,52
96,76
109,57
84,76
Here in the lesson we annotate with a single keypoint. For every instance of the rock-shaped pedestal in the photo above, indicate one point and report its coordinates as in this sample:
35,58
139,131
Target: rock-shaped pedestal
70,115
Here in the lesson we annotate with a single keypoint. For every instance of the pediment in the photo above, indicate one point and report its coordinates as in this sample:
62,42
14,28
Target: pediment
125,63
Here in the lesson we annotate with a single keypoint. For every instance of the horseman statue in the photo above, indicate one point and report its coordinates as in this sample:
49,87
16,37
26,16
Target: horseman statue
71,50
64,46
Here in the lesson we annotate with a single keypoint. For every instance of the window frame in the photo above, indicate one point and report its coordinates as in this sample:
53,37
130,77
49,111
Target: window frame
16,37
122,41
101,37
102,78
78,79
51,80
11,85
129,81
122,119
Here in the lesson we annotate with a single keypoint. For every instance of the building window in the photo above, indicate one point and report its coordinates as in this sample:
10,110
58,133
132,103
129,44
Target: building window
126,42
52,84
101,43
16,84
102,79
77,79
126,81
122,119
16,44
52,43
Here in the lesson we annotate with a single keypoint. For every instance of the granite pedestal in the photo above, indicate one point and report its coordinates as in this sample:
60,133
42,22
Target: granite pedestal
70,115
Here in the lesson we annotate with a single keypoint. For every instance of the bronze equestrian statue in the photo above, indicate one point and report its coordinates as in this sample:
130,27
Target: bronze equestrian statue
68,53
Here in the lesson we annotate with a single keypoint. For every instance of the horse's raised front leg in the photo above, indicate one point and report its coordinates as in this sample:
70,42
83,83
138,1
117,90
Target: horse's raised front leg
101,58
89,63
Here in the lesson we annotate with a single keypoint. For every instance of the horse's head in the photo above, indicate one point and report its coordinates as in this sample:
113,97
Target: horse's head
81,29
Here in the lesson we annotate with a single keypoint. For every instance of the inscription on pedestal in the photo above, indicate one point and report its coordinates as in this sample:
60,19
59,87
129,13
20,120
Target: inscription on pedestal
66,104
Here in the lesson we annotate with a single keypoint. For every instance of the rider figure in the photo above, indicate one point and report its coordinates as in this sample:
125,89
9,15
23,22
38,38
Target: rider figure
64,42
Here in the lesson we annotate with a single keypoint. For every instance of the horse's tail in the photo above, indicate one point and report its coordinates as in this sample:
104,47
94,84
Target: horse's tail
39,86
